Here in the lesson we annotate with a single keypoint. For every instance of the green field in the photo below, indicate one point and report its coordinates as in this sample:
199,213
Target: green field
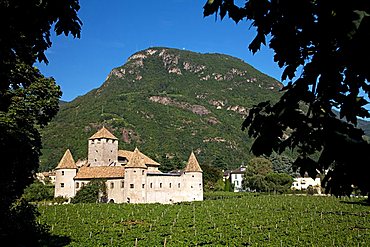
250,220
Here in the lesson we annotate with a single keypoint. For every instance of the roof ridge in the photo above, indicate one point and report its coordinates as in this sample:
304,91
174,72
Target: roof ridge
136,160
103,133
193,165
67,161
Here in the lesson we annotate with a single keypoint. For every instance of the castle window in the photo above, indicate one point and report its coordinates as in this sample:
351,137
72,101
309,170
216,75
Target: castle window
170,185
131,186
82,184
122,184
142,172
77,185
112,185
143,186
108,160
160,185
200,185
95,160
178,185
151,185
191,186
61,185
134,171
192,176
96,150
62,173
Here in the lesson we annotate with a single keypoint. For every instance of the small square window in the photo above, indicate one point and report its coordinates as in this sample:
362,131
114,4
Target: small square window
131,186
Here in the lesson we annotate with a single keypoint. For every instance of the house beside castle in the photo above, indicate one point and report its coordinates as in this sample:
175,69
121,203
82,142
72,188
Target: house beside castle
130,176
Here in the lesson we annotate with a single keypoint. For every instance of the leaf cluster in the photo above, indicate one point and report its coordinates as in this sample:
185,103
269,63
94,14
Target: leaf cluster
93,192
325,40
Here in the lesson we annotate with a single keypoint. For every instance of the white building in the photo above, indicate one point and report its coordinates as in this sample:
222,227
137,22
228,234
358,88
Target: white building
130,176
236,178
302,183
46,177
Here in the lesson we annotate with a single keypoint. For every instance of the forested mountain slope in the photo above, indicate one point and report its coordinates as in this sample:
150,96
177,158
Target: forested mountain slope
166,102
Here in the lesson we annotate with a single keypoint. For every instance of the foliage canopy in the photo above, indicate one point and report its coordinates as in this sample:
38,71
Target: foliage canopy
28,100
329,42
93,192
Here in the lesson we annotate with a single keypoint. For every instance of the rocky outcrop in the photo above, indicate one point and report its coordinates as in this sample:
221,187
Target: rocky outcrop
193,67
170,61
238,109
164,100
129,135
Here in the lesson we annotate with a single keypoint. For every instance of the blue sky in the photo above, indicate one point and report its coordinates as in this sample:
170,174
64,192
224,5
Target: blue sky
115,29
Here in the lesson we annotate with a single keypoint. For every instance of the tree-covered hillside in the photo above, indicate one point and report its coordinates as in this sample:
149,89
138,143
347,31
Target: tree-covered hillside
166,102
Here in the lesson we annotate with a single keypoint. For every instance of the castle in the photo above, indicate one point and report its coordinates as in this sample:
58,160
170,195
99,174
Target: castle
130,177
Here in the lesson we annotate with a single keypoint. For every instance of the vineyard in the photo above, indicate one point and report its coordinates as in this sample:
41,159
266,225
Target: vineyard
250,220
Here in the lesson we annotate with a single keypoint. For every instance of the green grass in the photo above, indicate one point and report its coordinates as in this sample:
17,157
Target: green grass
250,220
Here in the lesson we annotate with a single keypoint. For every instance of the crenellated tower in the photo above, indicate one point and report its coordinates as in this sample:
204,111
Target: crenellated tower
103,148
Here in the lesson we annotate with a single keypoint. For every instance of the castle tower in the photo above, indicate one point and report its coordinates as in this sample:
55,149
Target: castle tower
135,178
103,148
64,174
193,176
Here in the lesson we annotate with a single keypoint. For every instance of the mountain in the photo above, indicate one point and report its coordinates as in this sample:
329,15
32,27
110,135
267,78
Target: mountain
365,125
166,102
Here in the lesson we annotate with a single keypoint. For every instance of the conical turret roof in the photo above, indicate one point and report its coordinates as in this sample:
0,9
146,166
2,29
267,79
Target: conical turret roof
103,133
67,161
193,165
136,161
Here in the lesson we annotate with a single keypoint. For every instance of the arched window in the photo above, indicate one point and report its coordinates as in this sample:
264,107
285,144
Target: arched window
122,184
160,185
178,185
170,185
151,185
111,185
77,185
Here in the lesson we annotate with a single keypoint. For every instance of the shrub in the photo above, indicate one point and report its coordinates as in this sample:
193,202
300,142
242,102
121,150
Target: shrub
93,192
